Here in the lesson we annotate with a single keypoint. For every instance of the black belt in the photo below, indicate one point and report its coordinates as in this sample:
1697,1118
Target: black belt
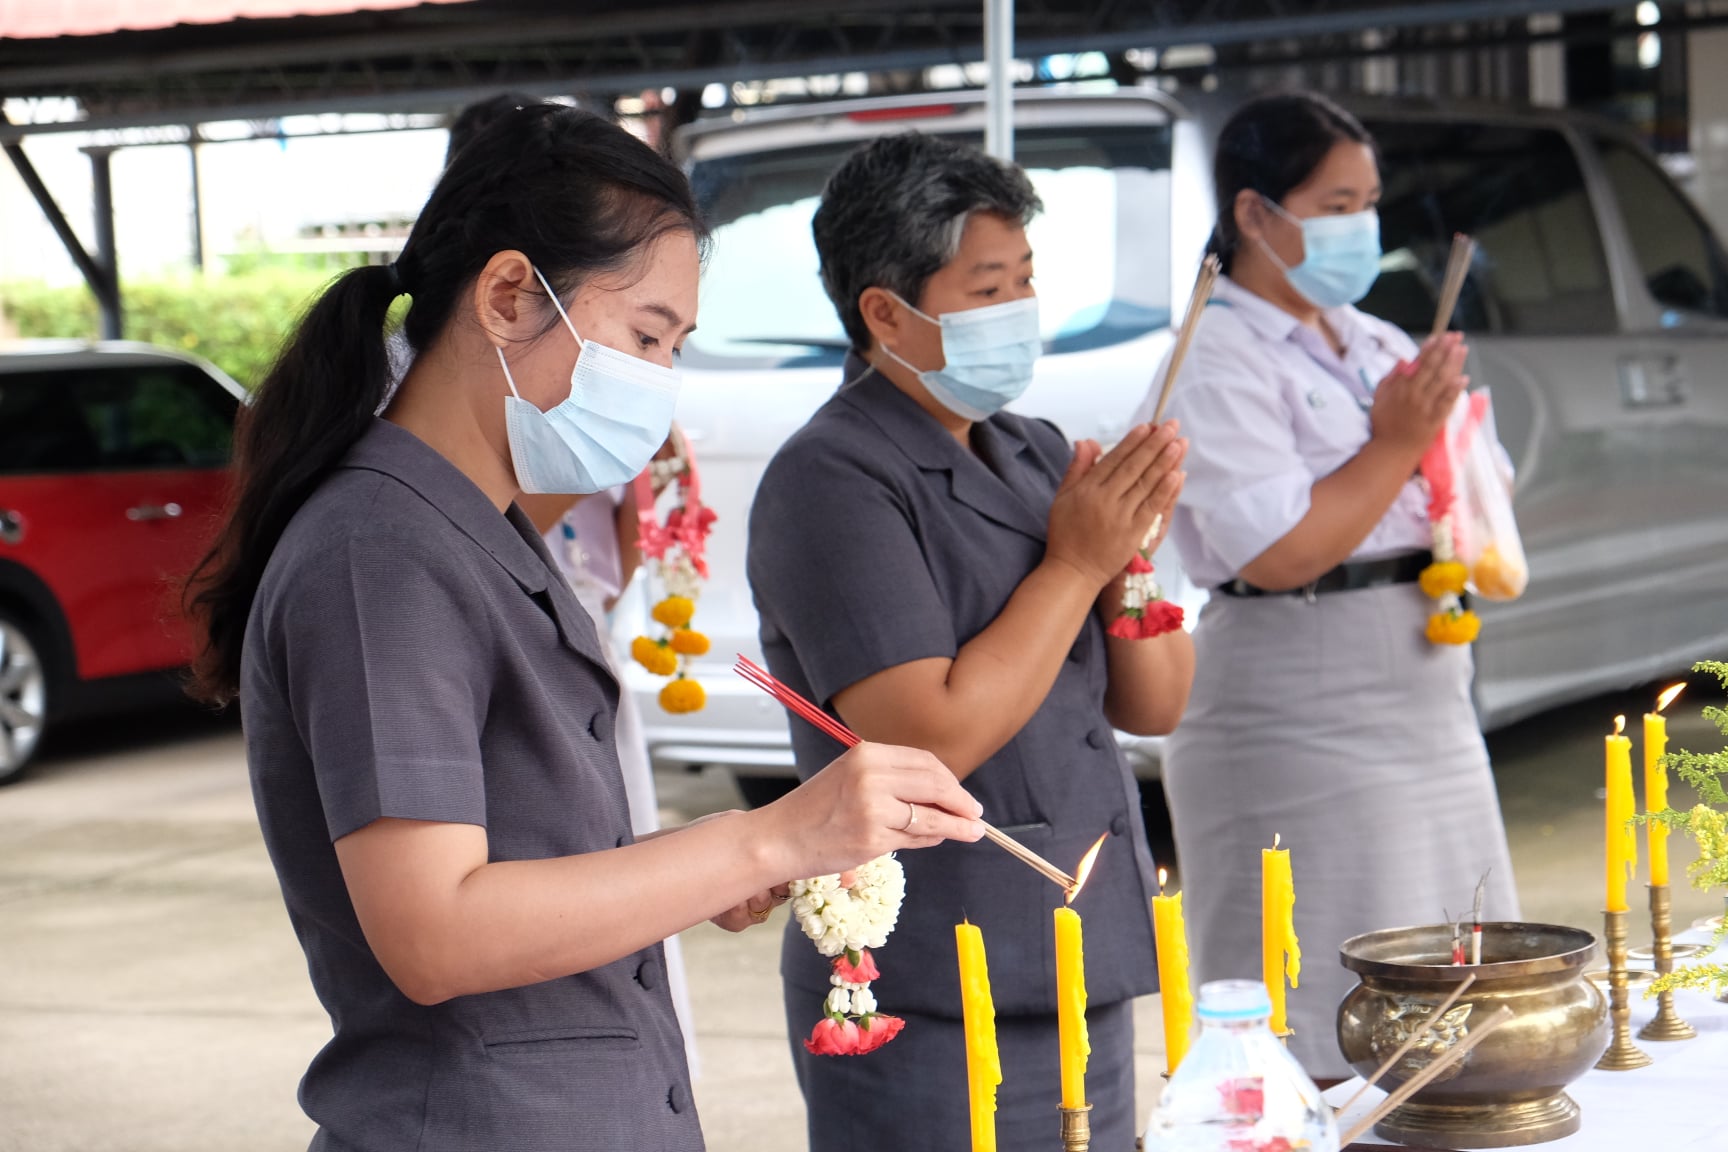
1346,577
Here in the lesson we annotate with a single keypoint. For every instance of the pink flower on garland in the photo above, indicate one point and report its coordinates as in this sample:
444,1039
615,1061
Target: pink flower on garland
833,1036
876,1030
861,972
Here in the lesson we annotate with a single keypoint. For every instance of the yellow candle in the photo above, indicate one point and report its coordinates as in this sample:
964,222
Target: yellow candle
1656,792
1071,1007
983,1061
1656,782
1281,953
1622,836
1171,935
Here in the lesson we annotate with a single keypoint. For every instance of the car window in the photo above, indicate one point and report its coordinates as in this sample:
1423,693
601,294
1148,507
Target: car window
132,418
1679,258
1540,268
1102,260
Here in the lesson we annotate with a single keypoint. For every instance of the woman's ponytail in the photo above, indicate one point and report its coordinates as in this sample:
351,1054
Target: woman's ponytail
318,399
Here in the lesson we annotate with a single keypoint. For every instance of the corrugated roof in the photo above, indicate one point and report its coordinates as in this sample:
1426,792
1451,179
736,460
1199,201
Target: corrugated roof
41,19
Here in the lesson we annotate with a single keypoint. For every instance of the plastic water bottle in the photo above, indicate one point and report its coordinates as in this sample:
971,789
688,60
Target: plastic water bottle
1238,1089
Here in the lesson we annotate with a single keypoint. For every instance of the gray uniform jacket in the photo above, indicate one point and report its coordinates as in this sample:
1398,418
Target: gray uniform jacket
413,654
876,539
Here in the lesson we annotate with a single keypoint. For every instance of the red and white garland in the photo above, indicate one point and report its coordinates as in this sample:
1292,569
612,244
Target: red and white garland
1145,612
846,915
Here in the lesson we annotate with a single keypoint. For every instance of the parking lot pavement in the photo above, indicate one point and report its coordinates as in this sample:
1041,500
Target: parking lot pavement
153,999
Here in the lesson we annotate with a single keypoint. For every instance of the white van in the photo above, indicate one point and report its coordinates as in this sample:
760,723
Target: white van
1597,313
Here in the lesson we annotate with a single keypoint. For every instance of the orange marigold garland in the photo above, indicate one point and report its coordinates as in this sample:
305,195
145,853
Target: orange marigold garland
1443,581
677,552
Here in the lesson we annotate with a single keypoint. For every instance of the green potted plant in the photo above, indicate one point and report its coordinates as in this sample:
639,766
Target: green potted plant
1707,823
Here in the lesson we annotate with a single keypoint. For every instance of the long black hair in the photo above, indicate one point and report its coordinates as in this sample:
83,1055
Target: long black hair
1272,145
577,195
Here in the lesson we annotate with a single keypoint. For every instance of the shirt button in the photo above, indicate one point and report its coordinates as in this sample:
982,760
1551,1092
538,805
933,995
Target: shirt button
678,1098
1119,826
648,975
1097,738
600,727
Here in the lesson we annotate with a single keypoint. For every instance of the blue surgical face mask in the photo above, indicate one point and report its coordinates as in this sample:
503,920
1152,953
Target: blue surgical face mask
987,356
1340,256
617,415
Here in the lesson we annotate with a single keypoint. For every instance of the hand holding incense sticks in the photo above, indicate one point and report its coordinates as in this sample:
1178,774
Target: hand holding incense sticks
801,707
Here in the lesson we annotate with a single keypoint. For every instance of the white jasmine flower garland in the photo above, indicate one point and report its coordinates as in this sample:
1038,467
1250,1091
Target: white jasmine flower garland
851,919
845,921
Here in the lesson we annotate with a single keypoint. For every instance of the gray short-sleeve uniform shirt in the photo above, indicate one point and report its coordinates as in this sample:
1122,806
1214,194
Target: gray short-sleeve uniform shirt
875,540
413,654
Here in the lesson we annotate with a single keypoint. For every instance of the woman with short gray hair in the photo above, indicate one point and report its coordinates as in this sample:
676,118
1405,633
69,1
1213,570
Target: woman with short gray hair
939,572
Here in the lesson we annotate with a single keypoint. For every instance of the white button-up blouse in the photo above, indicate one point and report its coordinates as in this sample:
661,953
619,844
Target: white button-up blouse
1269,409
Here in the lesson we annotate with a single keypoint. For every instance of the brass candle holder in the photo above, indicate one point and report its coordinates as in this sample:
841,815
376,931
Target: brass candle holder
1622,1054
1667,1024
1077,1129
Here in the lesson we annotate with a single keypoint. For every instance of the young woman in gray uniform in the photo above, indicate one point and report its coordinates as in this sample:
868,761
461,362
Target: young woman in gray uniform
939,572
429,714
1321,713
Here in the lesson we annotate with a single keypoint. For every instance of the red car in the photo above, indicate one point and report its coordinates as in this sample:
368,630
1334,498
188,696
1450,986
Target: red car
113,467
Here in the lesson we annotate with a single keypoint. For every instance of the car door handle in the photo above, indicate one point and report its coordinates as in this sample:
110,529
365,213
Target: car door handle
1654,381
169,511
11,527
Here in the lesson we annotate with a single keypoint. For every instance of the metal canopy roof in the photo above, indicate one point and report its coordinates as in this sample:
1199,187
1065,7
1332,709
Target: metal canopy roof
432,56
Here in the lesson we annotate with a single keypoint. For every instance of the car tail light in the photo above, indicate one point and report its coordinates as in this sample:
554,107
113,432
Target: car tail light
916,112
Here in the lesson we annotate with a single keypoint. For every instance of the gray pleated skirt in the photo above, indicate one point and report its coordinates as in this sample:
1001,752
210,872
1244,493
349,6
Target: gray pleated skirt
911,1096
1338,726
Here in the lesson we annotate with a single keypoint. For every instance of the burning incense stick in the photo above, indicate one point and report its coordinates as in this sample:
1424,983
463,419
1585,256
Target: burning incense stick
1203,284
1421,1080
1457,268
1415,1038
837,731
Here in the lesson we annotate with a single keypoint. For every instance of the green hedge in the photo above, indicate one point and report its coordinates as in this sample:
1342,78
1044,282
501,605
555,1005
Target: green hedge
237,322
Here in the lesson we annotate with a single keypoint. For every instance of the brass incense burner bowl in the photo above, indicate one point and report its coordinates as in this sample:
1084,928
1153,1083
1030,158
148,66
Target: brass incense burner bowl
1511,1089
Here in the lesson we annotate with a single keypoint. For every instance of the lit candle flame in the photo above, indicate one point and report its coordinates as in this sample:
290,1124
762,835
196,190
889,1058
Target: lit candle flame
1163,875
1277,838
1084,869
1619,725
1668,695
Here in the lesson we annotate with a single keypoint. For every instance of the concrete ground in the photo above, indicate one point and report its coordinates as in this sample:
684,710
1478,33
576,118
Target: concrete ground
153,999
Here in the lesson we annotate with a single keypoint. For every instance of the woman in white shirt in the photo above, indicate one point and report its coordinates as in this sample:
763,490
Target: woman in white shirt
1320,711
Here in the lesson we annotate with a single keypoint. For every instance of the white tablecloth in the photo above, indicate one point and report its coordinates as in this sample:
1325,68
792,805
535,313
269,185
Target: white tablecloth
1677,1104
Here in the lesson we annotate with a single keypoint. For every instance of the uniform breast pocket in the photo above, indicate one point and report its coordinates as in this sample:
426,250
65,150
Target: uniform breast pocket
558,1043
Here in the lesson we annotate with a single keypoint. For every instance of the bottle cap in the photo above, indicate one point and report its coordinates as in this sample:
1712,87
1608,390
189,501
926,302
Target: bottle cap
1234,1000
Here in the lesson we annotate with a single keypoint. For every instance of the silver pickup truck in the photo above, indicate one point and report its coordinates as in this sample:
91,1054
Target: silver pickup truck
1598,313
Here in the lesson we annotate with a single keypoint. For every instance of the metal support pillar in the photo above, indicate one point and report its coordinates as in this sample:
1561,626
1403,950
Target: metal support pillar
192,143
101,277
999,86
102,196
